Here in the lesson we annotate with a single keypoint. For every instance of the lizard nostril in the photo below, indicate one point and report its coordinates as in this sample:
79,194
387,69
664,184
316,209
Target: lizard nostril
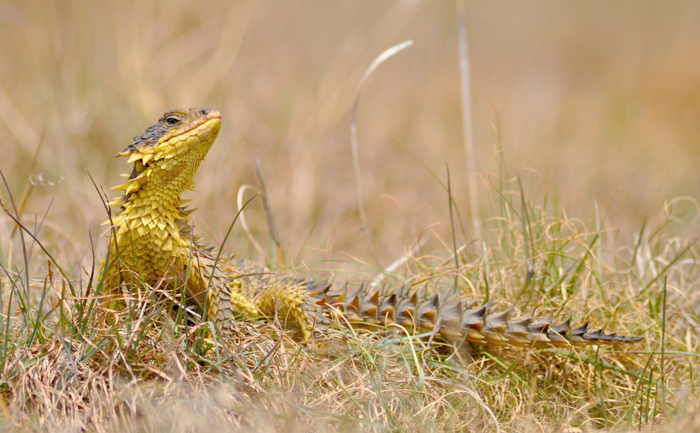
205,110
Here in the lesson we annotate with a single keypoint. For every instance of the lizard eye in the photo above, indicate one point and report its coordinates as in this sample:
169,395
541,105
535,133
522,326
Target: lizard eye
172,120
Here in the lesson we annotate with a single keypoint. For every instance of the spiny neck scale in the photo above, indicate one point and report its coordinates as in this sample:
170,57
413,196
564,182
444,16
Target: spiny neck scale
150,227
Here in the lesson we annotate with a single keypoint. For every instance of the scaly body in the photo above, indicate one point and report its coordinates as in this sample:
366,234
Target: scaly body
151,240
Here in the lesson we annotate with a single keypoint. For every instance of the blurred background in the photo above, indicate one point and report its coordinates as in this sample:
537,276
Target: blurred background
594,102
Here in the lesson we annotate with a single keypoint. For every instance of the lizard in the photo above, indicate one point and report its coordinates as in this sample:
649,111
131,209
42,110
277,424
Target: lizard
150,237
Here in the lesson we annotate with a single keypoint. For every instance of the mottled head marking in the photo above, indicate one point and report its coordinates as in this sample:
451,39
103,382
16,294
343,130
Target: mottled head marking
173,123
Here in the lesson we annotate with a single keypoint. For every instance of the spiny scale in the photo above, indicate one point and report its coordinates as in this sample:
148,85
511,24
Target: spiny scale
151,237
456,320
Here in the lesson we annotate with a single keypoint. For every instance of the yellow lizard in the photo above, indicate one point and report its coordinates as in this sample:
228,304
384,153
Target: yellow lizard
151,239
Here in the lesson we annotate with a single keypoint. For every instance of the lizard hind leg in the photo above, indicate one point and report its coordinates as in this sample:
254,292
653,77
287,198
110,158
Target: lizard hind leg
289,300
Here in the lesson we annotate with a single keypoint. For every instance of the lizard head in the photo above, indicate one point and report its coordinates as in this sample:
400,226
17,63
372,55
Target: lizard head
176,133
169,152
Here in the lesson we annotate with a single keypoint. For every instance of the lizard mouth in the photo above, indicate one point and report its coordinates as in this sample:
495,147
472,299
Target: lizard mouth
207,116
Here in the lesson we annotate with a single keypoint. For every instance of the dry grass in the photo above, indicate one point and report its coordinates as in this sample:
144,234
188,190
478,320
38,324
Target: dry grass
70,363
602,99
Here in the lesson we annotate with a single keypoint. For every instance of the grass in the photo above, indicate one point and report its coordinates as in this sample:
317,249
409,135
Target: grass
69,362
586,152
